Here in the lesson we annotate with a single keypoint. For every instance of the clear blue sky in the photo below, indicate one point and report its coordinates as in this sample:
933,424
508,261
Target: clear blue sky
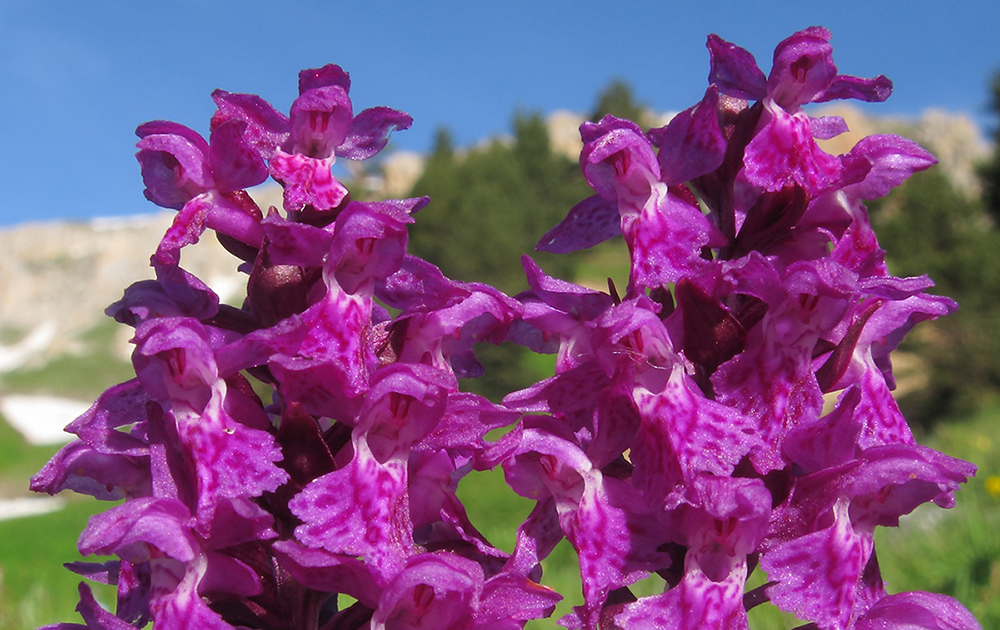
77,77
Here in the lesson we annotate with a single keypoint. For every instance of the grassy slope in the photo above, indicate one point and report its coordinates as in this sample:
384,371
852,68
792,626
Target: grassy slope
35,589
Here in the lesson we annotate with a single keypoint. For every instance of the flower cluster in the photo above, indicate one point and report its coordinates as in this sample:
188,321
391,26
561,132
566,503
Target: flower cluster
731,409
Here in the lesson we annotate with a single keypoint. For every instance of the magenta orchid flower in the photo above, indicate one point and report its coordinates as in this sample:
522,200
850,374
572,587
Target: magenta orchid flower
293,461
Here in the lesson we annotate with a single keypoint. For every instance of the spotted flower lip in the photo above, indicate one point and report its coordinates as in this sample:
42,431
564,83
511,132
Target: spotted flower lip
294,460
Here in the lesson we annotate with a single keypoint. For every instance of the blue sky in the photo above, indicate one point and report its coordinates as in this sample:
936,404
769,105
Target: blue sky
76,78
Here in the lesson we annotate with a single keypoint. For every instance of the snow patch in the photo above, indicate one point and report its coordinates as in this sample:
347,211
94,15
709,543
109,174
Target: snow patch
16,508
41,419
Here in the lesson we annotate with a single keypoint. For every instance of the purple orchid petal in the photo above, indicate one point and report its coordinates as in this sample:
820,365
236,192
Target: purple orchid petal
858,248
186,229
369,242
404,404
174,169
881,484
818,574
359,510
322,571
308,182
165,127
618,160
918,611
590,222
235,162
324,369
431,488
319,120
666,239
735,71
369,132
773,381
576,301
467,418
615,541
826,127
692,144
233,460
162,523
176,605
684,434
291,243
616,421
892,158
435,590
831,441
420,286
228,576
330,74
95,616
696,603
572,390
267,129
100,572
444,338
510,598
784,153
82,469
870,90
120,405
133,593
803,68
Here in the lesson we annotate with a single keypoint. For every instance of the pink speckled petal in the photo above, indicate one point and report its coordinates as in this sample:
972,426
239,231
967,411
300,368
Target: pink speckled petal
918,611
359,510
784,153
684,434
307,182
590,222
696,603
435,590
818,575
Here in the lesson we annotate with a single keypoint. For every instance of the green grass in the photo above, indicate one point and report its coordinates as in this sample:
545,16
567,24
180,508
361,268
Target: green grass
957,551
610,259
82,375
19,460
35,588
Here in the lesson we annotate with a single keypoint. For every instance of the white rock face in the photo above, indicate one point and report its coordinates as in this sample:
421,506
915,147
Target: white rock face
56,278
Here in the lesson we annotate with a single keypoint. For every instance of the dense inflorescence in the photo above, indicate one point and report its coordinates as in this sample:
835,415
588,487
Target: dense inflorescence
730,409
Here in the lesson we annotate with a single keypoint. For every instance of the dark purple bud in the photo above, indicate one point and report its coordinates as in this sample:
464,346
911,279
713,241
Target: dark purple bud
712,335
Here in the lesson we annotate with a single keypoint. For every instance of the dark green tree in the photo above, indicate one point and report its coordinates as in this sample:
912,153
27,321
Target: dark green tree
989,173
926,226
